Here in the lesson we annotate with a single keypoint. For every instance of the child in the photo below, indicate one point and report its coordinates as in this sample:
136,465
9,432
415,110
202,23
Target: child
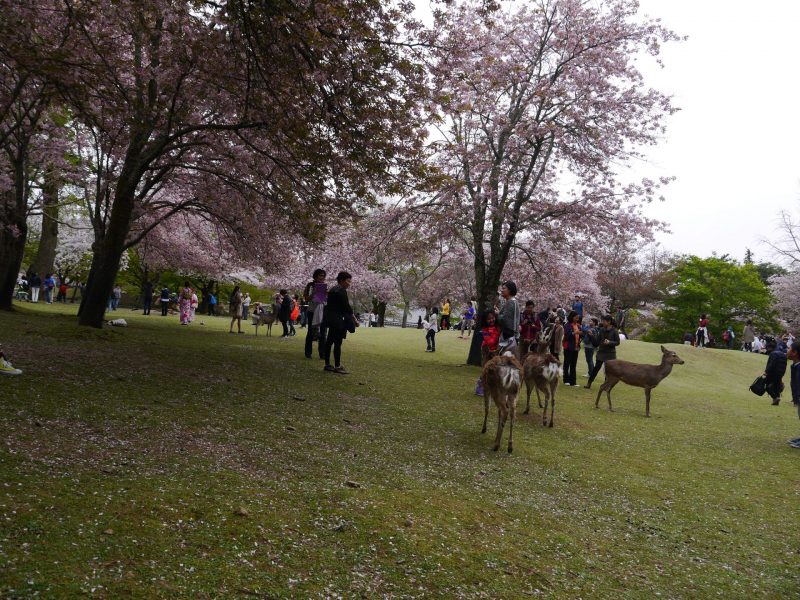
432,328
531,326
6,368
490,333
794,356
467,320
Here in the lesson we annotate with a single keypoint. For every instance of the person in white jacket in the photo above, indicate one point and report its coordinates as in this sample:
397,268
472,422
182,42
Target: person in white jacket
431,327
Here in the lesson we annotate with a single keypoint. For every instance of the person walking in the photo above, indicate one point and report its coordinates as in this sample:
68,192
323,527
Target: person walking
36,286
728,336
193,307
701,335
572,347
316,293
339,319
185,304
295,314
467,320
606,343
446,314
147,297
432,327
116,296
774,372
748,336
794,356
212,304
62,292
589,333
284,312
235,307
246,306
49,285
164,301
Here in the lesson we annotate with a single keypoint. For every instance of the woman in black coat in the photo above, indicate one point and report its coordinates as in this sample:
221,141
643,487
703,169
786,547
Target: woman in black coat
338,319
606,343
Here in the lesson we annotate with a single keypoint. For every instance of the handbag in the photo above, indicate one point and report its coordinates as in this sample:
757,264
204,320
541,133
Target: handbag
759,386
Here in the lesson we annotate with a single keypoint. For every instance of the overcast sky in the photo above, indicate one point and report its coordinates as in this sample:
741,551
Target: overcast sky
735,145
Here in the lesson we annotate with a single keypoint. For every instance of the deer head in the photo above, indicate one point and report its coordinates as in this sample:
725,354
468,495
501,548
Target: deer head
670,357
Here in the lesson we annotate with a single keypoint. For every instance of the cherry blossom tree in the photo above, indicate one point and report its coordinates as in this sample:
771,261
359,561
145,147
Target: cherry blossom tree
539,105
304,108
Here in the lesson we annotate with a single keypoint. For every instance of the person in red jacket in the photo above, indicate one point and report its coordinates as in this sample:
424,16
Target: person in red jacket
490,342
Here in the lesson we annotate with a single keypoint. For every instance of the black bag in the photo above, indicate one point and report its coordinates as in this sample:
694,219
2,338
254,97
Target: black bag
759,386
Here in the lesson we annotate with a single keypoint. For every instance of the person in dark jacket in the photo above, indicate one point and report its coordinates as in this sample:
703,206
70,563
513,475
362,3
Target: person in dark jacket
147,297
776,369
285,312
339,319
794,356
572,347
606,343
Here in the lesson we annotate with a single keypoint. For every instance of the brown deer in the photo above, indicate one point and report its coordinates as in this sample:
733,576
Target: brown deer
264,318
501,383
643,376
541,371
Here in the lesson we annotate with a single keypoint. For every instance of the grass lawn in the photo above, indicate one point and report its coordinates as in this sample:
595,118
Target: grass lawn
168,461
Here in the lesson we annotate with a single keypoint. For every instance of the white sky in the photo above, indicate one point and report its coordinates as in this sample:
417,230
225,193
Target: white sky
735,145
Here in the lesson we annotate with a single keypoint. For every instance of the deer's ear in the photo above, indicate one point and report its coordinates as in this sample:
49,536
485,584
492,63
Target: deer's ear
664,350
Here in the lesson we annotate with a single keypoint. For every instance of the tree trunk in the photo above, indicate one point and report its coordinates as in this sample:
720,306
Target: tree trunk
107,255
379,308
13,235
12,248
406,310
48,241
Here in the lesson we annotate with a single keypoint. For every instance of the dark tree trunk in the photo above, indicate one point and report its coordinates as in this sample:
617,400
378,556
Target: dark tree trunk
379,308
12,248
107,255
13,235
48,241
487,287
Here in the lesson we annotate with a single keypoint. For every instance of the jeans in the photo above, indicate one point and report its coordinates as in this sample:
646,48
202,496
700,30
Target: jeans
285,325
48,295
164,307
589,352
147,304
430,337
212,310
597,366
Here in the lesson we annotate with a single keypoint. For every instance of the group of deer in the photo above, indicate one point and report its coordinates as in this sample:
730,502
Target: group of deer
503,376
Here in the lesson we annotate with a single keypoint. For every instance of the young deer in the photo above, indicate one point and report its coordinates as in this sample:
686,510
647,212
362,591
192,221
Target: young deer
266,318
501,382
541,371
643,376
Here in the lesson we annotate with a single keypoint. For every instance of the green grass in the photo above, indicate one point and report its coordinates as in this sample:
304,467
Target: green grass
168,461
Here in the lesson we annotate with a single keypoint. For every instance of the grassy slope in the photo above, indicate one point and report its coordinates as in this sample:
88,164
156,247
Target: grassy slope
186,462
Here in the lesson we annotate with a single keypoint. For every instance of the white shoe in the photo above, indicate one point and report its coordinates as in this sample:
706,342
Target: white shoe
7,369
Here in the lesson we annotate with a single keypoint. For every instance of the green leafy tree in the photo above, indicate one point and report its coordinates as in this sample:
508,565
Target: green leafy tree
728,292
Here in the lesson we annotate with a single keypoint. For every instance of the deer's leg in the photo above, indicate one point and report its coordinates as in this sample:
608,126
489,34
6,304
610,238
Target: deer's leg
512,409
546,395
553,386
528,405
501,421
609,385
486,397
538,397
647,402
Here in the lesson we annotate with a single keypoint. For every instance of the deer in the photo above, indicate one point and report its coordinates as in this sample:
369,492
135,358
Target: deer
541,371
501,383
643,376
264,318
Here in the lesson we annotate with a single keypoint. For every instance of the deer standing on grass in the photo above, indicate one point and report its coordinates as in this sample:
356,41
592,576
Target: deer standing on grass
643,376
541,371
263,318
501,383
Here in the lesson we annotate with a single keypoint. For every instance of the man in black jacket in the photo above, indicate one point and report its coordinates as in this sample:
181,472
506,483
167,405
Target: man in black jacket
794,356
776,369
